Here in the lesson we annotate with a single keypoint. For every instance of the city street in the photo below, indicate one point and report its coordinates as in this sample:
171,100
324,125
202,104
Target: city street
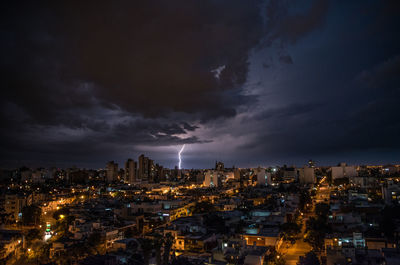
300,248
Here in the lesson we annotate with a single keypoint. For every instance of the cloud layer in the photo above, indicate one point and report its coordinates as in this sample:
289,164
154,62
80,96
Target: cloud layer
242,81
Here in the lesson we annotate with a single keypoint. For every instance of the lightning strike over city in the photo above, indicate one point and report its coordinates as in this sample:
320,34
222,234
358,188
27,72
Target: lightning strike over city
290,110
180,156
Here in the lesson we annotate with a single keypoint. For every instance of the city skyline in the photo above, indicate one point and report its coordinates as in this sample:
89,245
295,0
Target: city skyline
200,132
245,82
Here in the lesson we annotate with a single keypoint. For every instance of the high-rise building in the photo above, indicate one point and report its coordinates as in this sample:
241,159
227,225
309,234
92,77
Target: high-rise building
130,171
343,170
159,174
143,167
111,171
219,166
263,177
153,177
306,175
236,173
146,168
211,179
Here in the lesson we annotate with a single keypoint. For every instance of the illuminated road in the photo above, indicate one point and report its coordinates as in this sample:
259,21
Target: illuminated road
300,248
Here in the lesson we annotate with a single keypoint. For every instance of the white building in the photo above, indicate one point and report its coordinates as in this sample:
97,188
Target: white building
306,175
263,177
14,203
111,171
211,178
130,171
343,171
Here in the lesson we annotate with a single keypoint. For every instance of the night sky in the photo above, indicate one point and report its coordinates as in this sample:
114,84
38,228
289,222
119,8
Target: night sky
242,81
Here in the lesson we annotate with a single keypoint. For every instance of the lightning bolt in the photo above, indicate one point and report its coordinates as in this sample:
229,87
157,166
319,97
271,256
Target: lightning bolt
179,156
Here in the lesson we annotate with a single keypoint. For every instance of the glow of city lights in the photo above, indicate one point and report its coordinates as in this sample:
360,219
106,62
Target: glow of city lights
179,156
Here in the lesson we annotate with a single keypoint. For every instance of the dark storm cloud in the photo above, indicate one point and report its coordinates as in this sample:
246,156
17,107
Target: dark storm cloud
286,59
92,81
288,26
291,110
67,65
152,57
386,75
371,126
265,65
90,144
150,132
189,127
377,122
343,98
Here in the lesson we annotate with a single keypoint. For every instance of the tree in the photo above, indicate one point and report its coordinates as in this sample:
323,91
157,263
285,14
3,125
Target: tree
309,259
60,213
274,258
147,246
390,216
33,234
304,199
238,227
290,230
203,207
215,222
322,209
315,239
318,224
63,223
31,215
168,241
95,241
316,229
158,242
